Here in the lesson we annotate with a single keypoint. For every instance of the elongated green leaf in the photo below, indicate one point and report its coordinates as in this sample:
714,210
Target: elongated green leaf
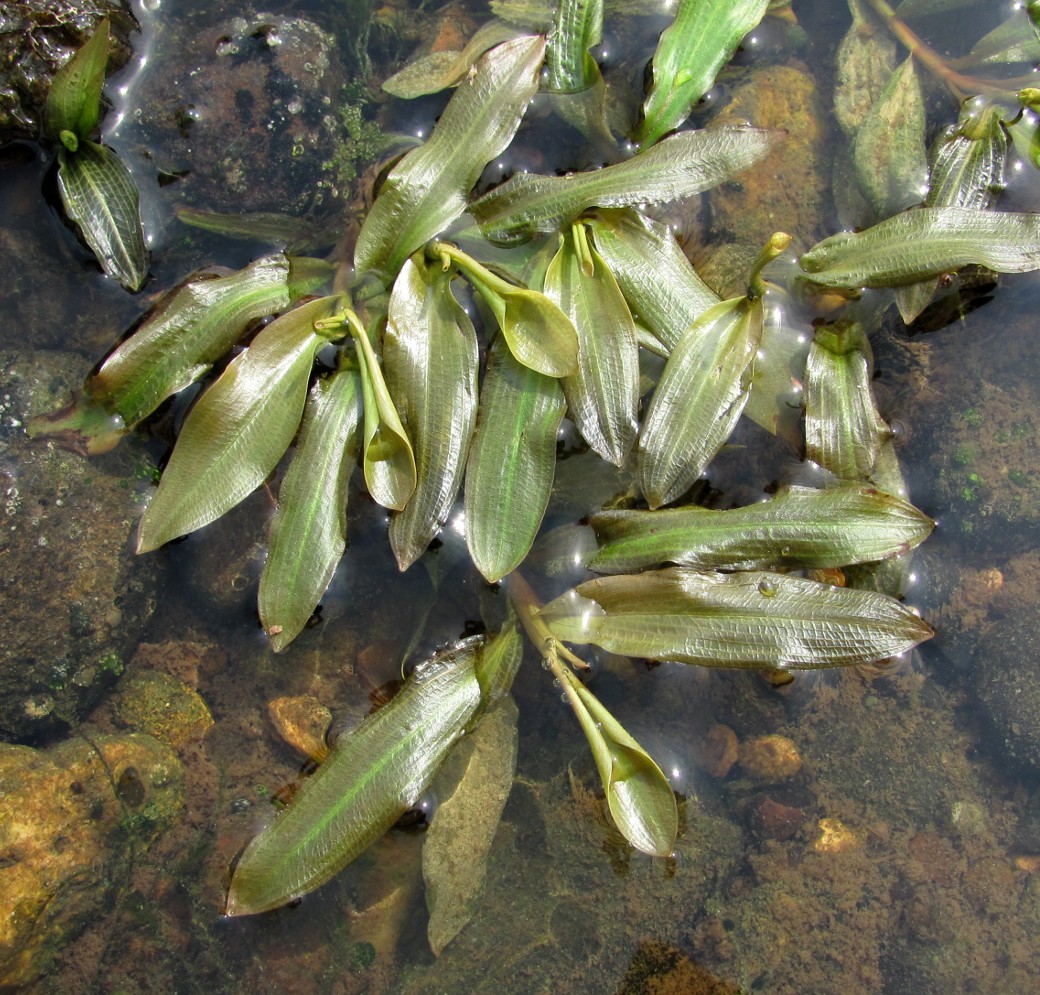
889,153
309,530
800,527
283,231
427,190
472,787
967,170
439,70
430,360
690,53
843,429
528,204
511,462
238,430
661,286
388,459
925,242
579,26
537,332
372,775
753,619
193,327
640,799
74,101
699,398
968,161
603,395
99,194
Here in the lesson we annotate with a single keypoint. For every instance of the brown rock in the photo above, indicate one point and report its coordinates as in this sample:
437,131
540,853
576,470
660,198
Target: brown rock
66,816
718,751
774,820
770,758
302,722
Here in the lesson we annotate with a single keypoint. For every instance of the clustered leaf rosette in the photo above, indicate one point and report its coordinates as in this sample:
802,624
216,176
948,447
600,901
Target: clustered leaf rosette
574,284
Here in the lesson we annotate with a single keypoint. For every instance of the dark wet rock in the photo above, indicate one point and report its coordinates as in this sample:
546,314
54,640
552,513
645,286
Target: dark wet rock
75,598
37,37
69,819
1008,689
244,108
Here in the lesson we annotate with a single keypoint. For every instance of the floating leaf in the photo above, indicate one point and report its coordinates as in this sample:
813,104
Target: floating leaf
439,70
373,774
925,241
238,430
537,332
690,53
528,204
603,395
800,527
430,360
74,101
753,619
843,429
309,531
511,462
639,798
427,190
967,170
99,194
193,327
472,787
698,399
388,459
889,154
569,67
661,286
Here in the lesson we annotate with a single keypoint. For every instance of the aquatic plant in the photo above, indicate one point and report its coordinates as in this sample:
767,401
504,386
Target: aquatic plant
97,191
574,280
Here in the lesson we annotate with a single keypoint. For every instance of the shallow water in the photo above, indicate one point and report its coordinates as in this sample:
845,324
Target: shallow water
887,842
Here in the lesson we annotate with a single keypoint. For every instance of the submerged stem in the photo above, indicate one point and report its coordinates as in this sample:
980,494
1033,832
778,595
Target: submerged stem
962,86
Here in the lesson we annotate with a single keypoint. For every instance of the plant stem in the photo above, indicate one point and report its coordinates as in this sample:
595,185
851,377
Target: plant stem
960,85
526,604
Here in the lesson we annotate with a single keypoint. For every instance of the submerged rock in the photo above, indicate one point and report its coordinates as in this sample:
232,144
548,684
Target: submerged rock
75,598
243,107
785,192
164,707
1006,683
69,817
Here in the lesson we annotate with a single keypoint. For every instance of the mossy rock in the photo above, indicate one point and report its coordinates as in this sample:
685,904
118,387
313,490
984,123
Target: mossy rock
75,597
69,818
